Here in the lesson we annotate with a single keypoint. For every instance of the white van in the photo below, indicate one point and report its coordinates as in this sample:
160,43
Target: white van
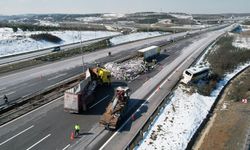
193,74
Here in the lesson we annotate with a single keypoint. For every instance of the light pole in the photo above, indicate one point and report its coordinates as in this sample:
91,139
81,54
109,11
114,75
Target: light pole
83,69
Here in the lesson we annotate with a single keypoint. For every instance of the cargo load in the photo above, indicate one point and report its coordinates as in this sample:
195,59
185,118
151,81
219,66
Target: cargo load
114,113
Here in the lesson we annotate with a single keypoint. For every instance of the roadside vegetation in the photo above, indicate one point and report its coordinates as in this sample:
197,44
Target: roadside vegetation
148,28
161,29
28,27
226,57
223,58
46,37
246,22
54,57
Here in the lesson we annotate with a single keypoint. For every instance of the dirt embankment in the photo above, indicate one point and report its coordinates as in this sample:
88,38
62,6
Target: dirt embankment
229,127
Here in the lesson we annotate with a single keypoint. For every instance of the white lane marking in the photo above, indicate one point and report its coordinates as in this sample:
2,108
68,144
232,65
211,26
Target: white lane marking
38,142
66,147
30,85
99,102
16,135
30,112
4,88
119,130
23,84
60,75
8,93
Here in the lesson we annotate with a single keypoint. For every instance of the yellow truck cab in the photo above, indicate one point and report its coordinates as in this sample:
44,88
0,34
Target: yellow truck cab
105,75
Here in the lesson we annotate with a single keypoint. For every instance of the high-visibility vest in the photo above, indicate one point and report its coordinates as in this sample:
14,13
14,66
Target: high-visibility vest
77,127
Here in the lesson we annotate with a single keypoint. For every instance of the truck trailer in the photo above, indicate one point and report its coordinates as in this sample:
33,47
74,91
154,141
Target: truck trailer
79,98
149,52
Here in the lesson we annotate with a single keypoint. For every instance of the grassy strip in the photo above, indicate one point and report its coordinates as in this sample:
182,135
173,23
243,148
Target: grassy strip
223,58
54,57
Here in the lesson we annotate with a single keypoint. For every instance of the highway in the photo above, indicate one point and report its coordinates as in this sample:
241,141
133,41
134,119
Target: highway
26,82
166,79
49,127
60,70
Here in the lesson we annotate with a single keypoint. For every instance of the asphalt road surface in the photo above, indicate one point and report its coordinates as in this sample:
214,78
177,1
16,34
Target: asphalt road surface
49,127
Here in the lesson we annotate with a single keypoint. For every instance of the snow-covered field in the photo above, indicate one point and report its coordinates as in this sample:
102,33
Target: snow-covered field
134,37
89,19
191,26
179,119
182,16
19,42
242,41
103,17
47,23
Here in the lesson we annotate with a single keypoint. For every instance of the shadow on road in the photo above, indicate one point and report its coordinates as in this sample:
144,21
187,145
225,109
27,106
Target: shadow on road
137,103
161,57
85,133
103,96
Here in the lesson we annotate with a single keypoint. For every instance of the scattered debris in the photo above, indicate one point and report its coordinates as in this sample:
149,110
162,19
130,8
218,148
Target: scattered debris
224,106
128,70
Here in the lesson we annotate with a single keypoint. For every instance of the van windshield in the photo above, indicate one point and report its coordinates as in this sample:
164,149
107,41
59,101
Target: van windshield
188,73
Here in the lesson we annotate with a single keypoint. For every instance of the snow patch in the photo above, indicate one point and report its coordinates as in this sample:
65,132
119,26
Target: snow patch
224,106
47,23
134,36
89,19
191,27
114,15
242,42
182,16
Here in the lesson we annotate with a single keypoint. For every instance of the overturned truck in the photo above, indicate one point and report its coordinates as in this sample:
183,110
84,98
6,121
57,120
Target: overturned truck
115,111
79,98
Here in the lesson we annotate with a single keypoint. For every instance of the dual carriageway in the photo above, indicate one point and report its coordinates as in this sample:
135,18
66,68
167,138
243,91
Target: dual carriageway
49,127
